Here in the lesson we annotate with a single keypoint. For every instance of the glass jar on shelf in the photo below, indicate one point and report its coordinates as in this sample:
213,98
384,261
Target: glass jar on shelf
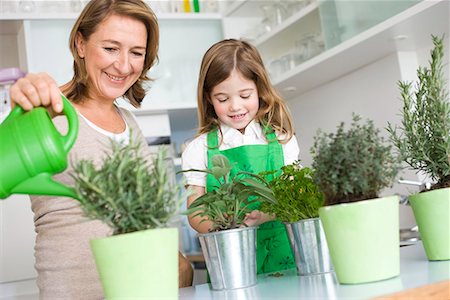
309,45
27,6
284,64
273,14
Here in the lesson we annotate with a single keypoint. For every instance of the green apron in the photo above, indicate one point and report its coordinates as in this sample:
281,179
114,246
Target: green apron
273,250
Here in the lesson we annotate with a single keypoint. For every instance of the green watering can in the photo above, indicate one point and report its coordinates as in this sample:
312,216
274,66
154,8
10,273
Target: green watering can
32,150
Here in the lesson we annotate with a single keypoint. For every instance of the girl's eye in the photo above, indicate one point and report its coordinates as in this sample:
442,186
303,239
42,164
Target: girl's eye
245,96
221,100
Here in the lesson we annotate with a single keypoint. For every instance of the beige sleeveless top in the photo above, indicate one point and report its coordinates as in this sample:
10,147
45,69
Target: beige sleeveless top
64,262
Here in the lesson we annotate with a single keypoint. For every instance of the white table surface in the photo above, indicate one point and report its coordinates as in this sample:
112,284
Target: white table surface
415,271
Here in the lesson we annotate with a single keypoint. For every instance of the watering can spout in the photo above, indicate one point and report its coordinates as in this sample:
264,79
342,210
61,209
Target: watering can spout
43,184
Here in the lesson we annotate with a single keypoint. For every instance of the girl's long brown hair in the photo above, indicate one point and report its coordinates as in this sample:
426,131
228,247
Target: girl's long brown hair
218,63
95,12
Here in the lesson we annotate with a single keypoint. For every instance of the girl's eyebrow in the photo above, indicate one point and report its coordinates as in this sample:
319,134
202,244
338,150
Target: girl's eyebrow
240,91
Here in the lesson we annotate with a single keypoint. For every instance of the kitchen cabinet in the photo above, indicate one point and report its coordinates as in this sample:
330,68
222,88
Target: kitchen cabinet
348,42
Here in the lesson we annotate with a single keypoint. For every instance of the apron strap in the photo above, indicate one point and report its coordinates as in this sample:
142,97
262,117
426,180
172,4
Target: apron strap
274,147
213,145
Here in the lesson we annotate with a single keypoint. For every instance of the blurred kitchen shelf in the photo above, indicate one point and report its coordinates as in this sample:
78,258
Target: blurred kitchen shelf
288,23
245,8
157,108
408,31
74,15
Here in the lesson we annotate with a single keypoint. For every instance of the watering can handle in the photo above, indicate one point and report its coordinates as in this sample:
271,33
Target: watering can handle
72,119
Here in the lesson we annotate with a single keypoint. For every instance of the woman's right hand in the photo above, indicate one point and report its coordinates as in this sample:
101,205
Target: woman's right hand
37,90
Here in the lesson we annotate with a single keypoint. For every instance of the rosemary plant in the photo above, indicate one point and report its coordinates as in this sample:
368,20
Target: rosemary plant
128,192
353,165
296,196
424,138
227,205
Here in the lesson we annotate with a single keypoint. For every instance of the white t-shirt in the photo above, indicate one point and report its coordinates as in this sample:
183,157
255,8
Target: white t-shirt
195,155
123,137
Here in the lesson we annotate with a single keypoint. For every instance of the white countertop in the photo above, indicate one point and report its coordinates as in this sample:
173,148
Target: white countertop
415,271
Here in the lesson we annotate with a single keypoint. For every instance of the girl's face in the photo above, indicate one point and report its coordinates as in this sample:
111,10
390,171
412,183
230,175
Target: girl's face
114,56
235,101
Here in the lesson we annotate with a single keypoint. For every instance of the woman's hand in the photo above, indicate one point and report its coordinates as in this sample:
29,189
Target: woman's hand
35,90
256,218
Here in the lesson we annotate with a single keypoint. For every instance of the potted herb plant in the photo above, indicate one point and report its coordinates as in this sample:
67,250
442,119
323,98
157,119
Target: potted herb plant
297,200
351,168
423,142
230,247
137,198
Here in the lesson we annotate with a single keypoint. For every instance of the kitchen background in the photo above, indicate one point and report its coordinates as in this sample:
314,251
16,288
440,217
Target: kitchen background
327,58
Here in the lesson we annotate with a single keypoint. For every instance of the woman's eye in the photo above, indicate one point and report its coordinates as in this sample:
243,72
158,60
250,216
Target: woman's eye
137,53
245,96
110,49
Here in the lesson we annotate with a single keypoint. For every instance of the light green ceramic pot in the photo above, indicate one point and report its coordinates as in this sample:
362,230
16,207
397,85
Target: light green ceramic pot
432,212
138,265
363,239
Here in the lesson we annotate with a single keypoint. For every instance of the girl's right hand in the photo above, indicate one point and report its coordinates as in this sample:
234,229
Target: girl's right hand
35,90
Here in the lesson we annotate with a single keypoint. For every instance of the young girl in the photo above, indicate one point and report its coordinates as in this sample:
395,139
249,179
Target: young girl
242,117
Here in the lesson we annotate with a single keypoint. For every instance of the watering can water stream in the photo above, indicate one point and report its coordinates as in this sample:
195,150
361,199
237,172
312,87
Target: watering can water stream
32,150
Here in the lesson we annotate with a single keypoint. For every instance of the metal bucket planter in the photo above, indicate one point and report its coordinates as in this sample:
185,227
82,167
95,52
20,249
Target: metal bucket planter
432,212
363,239
138,265
230,257
309,246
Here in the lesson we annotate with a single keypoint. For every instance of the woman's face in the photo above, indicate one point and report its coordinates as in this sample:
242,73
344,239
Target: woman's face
114,56
235,101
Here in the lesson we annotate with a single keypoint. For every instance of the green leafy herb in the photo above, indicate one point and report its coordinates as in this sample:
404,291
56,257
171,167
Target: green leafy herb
227,206
297,197
128,192
424,138
353,165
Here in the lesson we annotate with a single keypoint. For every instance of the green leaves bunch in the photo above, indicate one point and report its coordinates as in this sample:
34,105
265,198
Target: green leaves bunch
424,138
227,205
127,192
297,197
352,165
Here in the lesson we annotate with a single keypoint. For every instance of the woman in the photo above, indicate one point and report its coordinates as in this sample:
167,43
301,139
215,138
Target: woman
114,43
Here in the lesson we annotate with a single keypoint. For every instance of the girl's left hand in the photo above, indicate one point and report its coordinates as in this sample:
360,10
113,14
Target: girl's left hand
256,218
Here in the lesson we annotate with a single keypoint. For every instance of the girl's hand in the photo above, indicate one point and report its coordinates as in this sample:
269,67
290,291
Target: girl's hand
35,90
256,218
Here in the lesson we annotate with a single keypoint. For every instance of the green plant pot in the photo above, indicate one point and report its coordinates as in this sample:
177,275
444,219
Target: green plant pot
363,239
138,265
432,212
